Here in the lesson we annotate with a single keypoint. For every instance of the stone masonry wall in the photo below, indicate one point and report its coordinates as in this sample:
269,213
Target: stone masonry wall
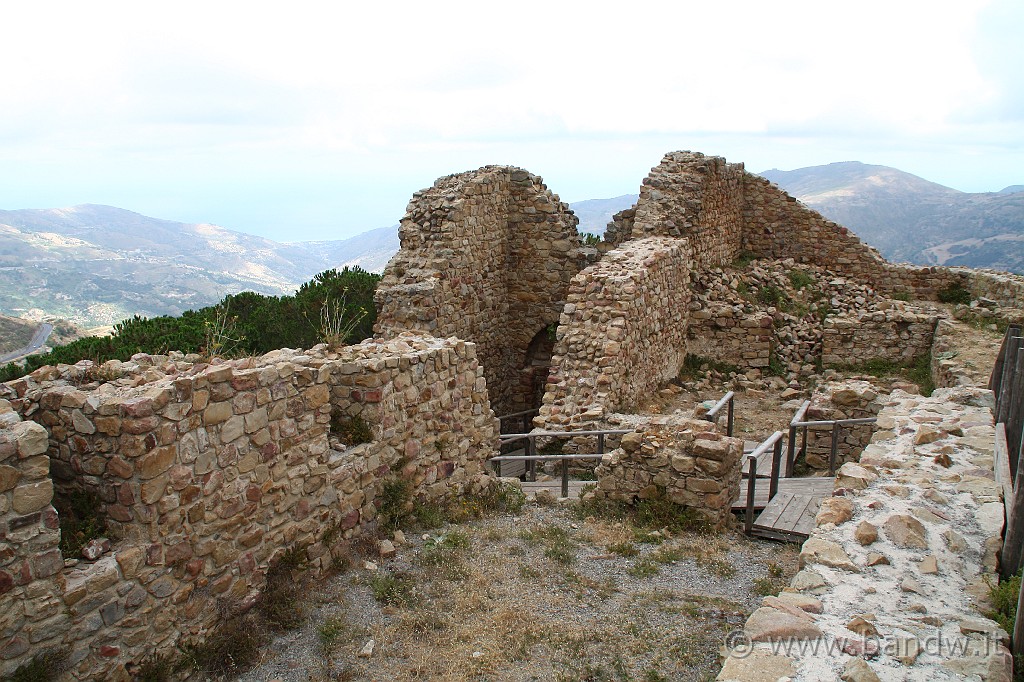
717,332
621,334
486,256
694,196
209,473
31,611
841,400
900,336
685,460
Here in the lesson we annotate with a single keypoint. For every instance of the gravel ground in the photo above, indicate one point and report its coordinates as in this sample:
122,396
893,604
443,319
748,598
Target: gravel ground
539,595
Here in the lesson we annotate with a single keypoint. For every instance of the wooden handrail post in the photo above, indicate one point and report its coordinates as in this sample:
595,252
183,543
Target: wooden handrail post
1015,413
600,443
731,417
1013,541
1018,628
565,477
531,466
776,465
791,451
834,450
1005,388
748,522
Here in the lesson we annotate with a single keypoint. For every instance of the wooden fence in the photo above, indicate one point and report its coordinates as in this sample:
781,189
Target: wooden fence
1007,384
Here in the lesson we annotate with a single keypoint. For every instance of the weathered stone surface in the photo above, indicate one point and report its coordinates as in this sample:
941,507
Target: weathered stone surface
759,666
866,533
31,497
906,531
827,552
858,670
834,510
767,624
854,476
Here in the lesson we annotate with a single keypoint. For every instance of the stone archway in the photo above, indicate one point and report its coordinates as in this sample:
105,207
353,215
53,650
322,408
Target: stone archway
486,256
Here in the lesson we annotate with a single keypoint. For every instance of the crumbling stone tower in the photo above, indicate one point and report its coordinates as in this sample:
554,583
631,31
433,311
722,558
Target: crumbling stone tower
486,256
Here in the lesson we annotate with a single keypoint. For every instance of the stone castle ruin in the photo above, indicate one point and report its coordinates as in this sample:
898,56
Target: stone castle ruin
209,472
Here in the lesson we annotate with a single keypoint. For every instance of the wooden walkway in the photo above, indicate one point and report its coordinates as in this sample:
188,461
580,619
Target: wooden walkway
790,514
764,462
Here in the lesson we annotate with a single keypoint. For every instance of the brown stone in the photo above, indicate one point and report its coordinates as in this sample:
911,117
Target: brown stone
156,462
906,531
8,478
767,624
835,510
32,497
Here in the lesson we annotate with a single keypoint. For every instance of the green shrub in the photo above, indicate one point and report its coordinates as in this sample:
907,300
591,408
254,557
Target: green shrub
954,293
589,239
393,589
351,430
800,279
771,295
743,259
81,520
241,324
45,666
394,498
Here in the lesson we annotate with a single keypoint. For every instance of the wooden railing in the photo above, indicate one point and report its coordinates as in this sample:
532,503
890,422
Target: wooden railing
728,400
799,424
1007,384
531,457
520,417
773,441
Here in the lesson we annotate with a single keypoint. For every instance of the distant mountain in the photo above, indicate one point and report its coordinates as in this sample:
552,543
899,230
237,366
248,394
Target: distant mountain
595,214
370,251
911,219
1012,189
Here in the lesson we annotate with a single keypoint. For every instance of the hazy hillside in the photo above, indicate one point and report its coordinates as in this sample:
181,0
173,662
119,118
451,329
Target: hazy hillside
370,251
911,219
99,264
15,333
595,214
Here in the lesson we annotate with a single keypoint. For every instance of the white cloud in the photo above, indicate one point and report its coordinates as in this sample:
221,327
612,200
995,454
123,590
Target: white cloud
251,89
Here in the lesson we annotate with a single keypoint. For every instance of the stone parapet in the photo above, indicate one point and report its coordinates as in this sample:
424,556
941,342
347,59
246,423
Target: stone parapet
896,335
683,460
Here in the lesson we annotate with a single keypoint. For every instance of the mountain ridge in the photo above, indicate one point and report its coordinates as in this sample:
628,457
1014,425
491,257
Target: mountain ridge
908,218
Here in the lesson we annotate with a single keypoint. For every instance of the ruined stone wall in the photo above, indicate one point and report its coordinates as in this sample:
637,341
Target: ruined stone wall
486,256
717,332
897,335
776,225
841,400
621,333
694,196
209,473
1006,289
31,612
684,460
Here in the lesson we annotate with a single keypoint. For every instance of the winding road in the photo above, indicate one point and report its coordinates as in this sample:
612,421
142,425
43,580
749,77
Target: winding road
38,339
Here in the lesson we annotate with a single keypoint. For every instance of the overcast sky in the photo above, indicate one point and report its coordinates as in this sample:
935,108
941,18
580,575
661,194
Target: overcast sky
318,120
